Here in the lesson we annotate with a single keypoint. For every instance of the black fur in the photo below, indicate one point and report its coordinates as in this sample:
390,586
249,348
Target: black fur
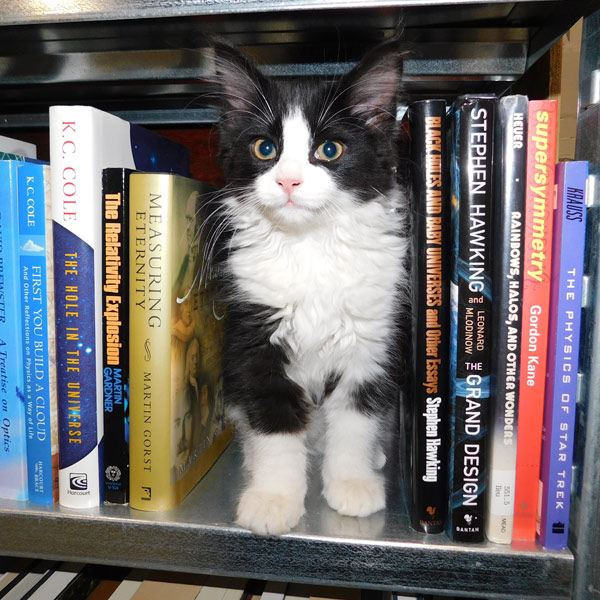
359,113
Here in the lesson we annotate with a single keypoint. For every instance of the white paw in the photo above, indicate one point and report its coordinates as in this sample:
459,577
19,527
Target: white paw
356,497
268,513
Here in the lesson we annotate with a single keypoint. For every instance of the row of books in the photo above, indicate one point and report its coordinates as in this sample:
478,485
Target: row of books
55,580
499,238
68,329
125,269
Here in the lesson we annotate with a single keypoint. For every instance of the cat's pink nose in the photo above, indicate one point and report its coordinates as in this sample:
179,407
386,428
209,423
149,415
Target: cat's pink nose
289,184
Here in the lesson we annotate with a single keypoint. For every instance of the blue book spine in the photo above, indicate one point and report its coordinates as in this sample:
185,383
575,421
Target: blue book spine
568,245
13,451
37,314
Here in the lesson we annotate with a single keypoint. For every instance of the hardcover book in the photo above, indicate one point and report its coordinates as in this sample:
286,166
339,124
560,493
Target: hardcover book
537,260
38,328
115,330
13,450
83,141
507,280
568,246
471,301
430,326
177,423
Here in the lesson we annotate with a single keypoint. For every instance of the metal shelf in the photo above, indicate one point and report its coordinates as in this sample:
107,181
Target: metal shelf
379,552
150,56
30,11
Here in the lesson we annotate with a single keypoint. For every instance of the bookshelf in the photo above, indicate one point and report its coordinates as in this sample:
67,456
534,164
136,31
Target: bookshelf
144,60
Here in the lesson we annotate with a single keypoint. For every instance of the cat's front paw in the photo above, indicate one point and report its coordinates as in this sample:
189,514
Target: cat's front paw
356,497
268,513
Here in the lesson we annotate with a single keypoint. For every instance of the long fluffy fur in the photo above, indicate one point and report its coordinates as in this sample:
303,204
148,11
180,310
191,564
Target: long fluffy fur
316,281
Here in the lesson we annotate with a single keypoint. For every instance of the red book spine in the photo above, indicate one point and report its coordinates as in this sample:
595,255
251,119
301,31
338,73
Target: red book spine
539,204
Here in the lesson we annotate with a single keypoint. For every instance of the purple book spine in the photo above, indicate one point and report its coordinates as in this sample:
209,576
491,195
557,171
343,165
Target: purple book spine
563,355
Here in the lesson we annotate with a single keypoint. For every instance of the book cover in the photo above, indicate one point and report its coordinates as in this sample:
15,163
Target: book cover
507,281
38,330
470,315
177,423
431,311
568,246
83,141
115,330
537,260
13,450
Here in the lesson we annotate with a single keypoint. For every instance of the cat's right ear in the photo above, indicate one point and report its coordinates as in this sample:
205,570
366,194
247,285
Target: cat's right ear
242,86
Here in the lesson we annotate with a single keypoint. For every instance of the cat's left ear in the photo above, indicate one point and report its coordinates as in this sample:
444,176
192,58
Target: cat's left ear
373,86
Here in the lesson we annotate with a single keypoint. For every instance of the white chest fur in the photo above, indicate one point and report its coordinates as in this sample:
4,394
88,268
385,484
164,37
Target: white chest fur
334,289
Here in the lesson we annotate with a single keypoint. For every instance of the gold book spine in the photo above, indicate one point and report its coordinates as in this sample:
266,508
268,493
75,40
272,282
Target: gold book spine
150,332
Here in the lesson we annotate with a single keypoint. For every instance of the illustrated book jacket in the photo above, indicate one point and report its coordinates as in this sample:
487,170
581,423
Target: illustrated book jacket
177,422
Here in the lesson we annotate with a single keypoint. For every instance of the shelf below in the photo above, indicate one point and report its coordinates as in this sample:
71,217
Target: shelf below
378,552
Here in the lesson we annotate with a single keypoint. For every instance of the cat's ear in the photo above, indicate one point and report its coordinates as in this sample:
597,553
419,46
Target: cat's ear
373,86
242,85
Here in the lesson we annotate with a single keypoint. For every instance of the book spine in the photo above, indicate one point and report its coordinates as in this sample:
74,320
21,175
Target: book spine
471,296
563,355
150,334
76,212
38,323
115,329
13,450
431,293
507,281
537,261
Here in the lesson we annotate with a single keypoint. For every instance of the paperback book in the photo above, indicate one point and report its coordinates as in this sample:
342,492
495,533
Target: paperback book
507,280
430,326
568,247
13,450
471,304
38,329
177,422
537,261
84,141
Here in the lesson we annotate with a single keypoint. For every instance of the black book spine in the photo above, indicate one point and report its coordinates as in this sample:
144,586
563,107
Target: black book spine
115,331
430,314
507,280
471,298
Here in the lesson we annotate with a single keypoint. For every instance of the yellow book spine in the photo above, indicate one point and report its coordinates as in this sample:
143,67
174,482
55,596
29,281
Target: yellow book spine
150,330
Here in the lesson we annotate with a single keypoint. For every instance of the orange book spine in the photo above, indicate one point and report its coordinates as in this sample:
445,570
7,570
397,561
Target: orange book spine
539,204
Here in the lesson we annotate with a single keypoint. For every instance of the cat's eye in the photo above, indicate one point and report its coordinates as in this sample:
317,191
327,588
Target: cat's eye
264,149
329,151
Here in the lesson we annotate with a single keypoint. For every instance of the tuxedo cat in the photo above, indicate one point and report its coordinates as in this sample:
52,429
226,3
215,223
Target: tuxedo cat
315,268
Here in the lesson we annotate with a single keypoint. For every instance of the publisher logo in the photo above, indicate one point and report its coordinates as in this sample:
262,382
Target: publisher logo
558,528
113,473
78,481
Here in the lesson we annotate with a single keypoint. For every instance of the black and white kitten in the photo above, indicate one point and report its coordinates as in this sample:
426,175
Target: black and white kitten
316,267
